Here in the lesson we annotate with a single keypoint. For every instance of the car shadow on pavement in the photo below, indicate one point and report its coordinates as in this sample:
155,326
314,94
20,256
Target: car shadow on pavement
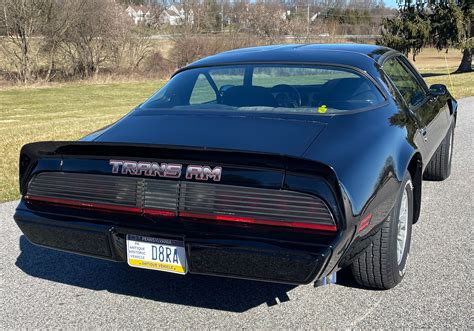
192,290
345,278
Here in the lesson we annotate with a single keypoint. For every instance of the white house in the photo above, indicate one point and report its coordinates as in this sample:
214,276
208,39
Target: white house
139,14
175,16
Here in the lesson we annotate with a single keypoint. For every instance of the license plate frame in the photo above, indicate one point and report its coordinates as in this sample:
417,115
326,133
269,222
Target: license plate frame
145,252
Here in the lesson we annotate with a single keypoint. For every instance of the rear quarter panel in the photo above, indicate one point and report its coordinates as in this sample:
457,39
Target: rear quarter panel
369,152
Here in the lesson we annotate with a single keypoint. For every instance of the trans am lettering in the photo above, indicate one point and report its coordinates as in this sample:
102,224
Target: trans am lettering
146,168
167,170
203,173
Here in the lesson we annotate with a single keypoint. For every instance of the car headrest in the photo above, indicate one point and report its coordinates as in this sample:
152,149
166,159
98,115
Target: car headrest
248,96
344,88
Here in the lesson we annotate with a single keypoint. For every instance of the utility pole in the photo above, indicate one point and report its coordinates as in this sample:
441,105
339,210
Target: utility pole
307,27
222,16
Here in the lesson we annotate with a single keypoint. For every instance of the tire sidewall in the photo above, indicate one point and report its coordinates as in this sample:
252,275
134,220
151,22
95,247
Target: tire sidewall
398,270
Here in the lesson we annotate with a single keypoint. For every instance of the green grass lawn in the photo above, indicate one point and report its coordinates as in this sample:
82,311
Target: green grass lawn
58,113
460,85
71,111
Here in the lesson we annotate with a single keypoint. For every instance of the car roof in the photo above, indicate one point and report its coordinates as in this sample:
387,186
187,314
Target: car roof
362,56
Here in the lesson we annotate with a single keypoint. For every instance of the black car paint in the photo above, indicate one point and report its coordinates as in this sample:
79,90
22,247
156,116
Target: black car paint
354,161
221,130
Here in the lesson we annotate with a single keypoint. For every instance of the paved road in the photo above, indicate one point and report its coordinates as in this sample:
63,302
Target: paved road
45,288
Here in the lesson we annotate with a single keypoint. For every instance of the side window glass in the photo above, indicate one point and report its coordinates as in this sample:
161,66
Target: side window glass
202,92
406,83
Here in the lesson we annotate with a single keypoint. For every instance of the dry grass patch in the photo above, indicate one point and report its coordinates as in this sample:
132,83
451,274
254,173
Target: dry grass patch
431,59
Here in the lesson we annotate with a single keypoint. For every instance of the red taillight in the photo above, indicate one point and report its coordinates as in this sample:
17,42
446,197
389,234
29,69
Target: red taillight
254,205
100,206
227,218
156,212
165,198
165,213
84,205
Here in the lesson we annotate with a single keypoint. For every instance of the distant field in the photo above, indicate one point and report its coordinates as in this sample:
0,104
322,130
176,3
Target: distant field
69,112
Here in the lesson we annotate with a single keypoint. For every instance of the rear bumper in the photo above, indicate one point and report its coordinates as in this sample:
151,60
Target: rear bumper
286,262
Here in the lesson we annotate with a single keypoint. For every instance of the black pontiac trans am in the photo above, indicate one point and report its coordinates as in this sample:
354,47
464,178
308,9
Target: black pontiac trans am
279,163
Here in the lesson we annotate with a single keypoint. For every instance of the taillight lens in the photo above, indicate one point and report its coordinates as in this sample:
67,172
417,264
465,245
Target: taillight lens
254,205
165,198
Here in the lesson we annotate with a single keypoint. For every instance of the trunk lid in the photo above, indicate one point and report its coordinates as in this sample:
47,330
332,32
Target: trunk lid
274,135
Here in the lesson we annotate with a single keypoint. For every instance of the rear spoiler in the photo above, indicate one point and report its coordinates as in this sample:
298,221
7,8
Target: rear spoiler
31,153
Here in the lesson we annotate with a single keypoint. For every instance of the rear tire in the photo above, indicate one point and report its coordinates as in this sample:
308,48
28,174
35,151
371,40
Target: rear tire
439,167
382,265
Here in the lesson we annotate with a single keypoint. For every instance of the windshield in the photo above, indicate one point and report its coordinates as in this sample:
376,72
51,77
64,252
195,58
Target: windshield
267,88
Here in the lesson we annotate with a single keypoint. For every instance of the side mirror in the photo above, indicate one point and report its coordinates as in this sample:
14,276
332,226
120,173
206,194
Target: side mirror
417,98
438,89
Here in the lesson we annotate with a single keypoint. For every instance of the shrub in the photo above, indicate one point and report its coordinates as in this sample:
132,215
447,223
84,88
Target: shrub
190,48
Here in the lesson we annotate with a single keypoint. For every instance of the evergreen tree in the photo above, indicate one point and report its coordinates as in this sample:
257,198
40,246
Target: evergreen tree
442,23
408,32
451,26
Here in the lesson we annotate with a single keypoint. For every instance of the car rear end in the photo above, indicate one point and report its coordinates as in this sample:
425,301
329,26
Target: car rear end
226,213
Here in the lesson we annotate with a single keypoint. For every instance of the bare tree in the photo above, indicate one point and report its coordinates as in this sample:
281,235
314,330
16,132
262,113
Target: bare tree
94,34
80,38
135,48
266,19
57,22
21,20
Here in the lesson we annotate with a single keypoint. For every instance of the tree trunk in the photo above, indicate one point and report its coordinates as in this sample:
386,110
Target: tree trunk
51,64
96,71
466,62
25,61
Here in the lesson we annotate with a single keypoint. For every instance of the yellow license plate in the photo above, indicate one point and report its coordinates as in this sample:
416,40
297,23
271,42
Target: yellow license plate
156,253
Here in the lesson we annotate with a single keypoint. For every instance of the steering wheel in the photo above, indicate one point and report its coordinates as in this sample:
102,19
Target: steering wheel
286,96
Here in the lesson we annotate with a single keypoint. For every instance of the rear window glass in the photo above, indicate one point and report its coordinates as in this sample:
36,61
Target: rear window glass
267,88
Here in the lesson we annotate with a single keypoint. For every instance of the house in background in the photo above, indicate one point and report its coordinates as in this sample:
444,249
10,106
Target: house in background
140,14
175,16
